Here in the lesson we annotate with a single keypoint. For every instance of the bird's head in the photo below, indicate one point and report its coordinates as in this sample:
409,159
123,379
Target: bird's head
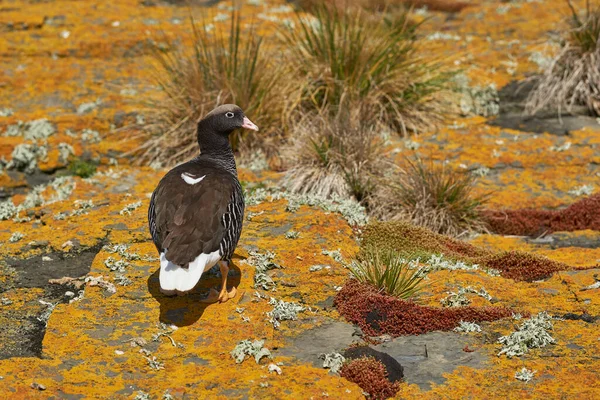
225,119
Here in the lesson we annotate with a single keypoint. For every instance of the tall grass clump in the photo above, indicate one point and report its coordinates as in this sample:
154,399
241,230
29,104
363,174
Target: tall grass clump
372,63
388,272
218,68
435,197
334,156
573,78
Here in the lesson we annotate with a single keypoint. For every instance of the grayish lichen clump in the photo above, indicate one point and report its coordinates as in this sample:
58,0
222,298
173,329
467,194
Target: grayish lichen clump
349,208
130,207
263,263
15,237
39,129
459,299
524,374
583,190
7,209
292,235
335,254
247,348
282,311
65,151
467,327
533,333
25,157
90,136
477,100
438,262
333,362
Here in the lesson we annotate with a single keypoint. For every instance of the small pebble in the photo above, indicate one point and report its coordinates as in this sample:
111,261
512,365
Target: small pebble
119,352
46,258
69,294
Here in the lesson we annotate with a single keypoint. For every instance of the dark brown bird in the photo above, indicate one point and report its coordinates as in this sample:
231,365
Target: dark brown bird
196,212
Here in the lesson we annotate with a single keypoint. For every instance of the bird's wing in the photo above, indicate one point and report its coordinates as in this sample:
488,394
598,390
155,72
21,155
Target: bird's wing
188,206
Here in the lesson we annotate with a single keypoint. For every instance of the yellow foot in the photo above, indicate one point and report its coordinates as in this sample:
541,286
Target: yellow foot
225,295
213,297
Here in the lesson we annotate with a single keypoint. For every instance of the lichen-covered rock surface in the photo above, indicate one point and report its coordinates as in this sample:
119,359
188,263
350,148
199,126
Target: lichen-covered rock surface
75,81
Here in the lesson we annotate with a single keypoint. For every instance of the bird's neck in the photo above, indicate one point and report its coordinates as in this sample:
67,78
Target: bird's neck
217,149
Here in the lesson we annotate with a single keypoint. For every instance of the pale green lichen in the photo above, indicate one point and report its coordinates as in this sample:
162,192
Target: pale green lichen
141,395
459,298
63,187
65,151
478,100
583,190
90,136
16,236
282,311
116,265
292,234
333,362
85,108
533,333
335,254
467,327
130,207
122,280
438,262
25,157
82,207
263,263
39,129
7,209
247,348
524,374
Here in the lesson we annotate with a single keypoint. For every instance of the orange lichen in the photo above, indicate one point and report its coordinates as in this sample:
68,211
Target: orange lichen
101,51
578,216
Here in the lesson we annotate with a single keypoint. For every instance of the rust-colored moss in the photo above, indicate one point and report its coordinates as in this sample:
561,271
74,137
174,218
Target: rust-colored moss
522,266
377,313
580,215
371,376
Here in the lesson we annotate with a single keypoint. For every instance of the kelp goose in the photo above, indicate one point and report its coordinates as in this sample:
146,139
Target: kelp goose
196,212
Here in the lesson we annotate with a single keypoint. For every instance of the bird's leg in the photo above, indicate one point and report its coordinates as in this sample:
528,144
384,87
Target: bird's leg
224,295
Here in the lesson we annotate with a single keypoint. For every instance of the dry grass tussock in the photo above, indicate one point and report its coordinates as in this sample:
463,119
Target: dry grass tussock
384,5
336,156
219,68
573,78
435,197
373,64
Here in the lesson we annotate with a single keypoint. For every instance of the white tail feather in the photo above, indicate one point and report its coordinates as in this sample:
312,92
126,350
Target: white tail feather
173,278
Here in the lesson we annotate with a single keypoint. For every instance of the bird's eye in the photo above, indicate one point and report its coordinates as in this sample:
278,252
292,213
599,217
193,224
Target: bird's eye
229,114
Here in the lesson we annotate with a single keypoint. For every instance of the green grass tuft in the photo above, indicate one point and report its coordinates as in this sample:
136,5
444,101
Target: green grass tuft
387,271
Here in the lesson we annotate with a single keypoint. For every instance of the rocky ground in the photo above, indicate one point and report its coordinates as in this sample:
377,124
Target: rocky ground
76,78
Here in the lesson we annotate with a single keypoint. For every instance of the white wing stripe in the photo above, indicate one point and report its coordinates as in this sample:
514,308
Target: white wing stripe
190,178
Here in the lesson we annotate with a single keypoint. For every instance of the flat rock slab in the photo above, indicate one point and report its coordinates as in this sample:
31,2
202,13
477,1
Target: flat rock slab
425,358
